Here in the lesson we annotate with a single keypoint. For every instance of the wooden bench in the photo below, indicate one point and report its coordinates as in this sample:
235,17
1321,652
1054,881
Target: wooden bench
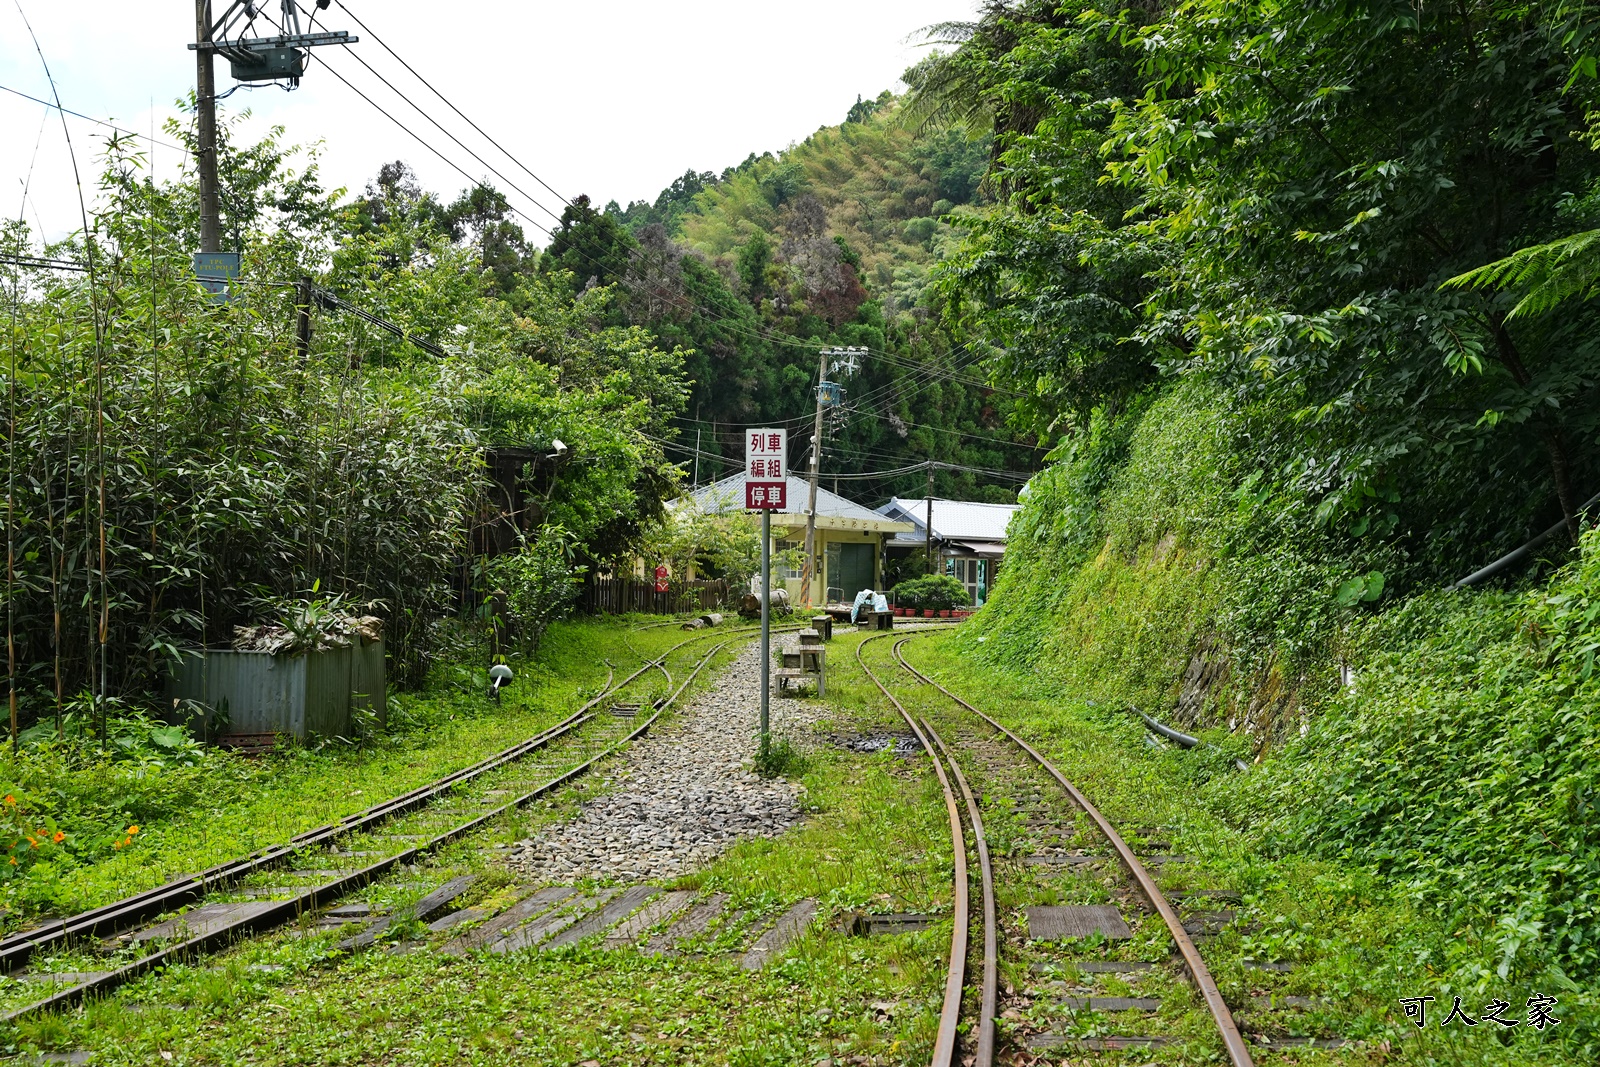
810,664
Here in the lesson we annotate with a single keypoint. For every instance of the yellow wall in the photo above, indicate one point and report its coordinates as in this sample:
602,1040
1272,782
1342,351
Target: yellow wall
824,539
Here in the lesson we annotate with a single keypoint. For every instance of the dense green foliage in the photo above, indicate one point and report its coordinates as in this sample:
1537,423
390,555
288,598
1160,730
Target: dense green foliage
177,466
1258,267
197,805
831,242
931,592
1468,761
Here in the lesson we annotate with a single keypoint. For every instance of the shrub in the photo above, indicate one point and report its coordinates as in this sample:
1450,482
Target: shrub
538,583
932,592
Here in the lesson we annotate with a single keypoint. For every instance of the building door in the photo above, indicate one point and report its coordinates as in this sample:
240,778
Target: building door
969,572
850,570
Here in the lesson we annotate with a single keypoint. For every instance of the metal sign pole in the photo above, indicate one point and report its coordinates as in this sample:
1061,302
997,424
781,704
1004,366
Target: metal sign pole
766,626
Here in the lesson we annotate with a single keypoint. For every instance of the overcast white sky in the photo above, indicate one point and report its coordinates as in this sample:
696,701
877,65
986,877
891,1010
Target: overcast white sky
614,100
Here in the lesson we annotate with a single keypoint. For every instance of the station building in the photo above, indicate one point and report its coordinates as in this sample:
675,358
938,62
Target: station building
969,538
850,538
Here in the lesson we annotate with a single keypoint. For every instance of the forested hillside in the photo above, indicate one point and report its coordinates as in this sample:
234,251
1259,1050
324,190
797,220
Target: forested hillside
1252,263
833,241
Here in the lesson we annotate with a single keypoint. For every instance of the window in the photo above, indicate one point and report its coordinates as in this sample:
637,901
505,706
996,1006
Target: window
970,573
785,570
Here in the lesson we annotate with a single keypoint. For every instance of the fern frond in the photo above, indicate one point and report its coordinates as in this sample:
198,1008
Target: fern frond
1549,274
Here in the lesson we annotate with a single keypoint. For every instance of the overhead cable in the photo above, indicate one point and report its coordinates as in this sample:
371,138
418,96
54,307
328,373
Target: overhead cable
97,122
368,31
332,302
40,263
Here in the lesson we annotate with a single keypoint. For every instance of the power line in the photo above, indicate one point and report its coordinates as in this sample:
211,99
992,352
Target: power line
40,263
369,32
922,374
513,185
97,122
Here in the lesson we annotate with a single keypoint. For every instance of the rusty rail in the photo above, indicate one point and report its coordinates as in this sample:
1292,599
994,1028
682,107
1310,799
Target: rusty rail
18,947
1233,1041
944,1046
989,991
319,896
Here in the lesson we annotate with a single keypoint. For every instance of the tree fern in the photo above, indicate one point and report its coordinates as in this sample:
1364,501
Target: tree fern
1550,273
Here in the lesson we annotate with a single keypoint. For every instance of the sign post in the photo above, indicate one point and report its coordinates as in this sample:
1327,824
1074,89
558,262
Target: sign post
766,489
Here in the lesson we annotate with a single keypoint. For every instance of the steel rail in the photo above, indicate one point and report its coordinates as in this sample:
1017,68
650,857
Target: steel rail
18,947
989,989
287,910
1238,1051
944,1045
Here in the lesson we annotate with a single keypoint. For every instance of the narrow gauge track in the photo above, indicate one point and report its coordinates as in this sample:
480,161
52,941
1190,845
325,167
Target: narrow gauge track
983,1053
381,839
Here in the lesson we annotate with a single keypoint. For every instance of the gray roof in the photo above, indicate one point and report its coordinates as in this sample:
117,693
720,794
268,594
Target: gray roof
728,495
953,520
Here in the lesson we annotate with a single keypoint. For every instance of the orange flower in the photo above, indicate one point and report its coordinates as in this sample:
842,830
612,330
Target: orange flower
132,830
58,837
13,861
11,799
119,844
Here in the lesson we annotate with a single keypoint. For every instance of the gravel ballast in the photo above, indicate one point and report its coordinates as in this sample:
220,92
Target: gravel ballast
683,794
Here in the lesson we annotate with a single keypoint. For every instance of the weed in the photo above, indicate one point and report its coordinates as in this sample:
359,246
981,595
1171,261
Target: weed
780,759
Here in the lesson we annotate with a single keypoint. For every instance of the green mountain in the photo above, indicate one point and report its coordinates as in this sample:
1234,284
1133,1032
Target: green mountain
832,242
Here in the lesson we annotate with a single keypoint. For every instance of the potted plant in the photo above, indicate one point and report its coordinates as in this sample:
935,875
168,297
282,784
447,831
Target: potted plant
931,596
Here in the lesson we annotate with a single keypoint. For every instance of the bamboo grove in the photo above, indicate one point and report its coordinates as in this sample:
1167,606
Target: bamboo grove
176,466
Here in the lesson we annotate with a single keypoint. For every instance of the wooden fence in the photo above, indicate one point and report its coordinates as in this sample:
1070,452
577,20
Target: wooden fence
620,596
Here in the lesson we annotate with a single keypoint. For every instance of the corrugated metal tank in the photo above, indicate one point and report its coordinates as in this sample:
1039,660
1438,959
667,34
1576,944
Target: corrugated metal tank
297,695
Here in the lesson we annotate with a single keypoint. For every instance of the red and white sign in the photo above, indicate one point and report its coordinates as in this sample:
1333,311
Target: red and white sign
768,495
663,582
766,469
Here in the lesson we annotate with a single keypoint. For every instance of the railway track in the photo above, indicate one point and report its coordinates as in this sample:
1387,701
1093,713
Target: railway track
313,870
1068,851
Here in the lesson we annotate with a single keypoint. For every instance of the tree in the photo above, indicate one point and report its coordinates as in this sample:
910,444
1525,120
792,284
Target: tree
483,214
590,245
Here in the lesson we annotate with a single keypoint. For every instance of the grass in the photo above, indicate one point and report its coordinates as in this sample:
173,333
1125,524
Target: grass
1357,939
873,840
193,817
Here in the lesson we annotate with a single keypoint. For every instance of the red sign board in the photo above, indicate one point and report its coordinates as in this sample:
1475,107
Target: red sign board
768,496
663,583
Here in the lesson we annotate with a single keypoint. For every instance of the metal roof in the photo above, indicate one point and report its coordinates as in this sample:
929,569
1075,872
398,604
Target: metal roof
953,520
834,512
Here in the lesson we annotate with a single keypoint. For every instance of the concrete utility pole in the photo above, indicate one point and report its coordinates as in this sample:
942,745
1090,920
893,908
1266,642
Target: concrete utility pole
928,523
205,102
811,499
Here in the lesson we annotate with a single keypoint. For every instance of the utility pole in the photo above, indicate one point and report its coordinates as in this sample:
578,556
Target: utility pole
302,328
928,522
828,395
280,57
205,102
811,498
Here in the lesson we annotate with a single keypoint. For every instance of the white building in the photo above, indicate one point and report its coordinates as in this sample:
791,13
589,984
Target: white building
969,538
